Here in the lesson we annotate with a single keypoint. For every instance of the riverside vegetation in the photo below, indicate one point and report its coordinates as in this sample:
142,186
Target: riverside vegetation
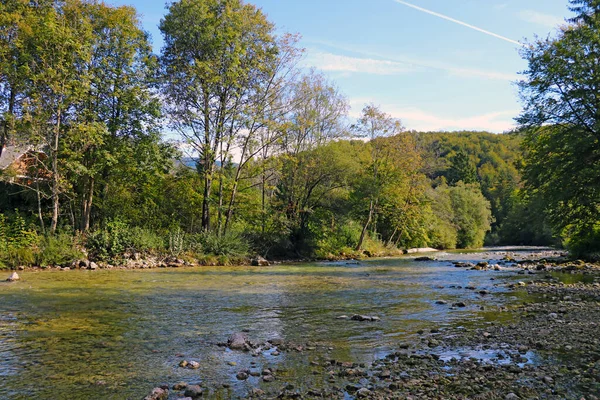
275,166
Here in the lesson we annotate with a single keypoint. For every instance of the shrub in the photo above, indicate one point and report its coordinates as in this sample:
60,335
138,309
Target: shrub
60,249
230,244
584,242
117,237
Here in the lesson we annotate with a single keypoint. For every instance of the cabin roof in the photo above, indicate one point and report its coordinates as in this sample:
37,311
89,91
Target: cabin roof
10,154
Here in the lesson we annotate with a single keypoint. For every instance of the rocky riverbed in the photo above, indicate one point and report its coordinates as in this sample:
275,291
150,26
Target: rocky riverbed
545,348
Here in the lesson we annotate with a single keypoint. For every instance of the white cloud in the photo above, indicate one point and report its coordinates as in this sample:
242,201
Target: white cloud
379,64
539,18
339,63
417,119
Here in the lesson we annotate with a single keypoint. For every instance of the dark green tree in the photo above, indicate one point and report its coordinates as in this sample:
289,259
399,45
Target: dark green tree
562,115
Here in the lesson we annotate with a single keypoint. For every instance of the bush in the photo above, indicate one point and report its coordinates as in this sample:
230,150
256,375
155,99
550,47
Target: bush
117,238
584,243
58,250
18,242
230,244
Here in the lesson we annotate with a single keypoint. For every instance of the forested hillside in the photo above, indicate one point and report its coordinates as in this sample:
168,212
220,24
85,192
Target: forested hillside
279,167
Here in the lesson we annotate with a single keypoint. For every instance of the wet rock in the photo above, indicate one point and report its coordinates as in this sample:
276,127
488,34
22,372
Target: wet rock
260,262
425,259
193,391
342,317
13,277
158,394
511,396
242,375
268,378
183,364
256,392
351,388
459,304
441,302
180,386
237,341
193,365
358,317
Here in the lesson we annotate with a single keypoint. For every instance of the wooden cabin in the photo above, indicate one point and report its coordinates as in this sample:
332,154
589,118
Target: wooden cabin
21,164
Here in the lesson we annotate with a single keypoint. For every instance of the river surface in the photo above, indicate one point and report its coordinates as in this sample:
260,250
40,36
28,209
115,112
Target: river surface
117,334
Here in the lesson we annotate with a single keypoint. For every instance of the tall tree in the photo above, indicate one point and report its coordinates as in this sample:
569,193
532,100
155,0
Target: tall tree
59,48
373,125
562,115
214,50
119,108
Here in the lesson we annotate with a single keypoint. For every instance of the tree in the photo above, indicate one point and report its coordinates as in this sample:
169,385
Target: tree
119,109
461,169
214,52
58,45
374,124
562,117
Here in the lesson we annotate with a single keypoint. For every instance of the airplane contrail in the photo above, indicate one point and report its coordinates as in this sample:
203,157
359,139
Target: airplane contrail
458,22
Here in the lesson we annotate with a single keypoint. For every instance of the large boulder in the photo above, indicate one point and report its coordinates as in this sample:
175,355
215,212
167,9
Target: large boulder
237,341
13,277
260,262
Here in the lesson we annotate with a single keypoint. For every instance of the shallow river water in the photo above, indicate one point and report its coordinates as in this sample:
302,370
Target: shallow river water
116,334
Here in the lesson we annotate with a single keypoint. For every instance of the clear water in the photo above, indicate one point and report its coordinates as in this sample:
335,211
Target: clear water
117,334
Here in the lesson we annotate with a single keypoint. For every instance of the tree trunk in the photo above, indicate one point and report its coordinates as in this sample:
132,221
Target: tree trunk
39,206
7,124
366,226
206,202
55,178
86,211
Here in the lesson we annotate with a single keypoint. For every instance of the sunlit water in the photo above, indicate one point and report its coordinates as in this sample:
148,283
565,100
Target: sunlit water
117,334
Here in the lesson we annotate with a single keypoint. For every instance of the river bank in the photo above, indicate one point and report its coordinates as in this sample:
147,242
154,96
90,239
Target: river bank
546,347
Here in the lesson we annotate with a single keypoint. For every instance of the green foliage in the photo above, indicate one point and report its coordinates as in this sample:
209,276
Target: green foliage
229,245
462,216
15,233
562,156
60,249
583,243
117,237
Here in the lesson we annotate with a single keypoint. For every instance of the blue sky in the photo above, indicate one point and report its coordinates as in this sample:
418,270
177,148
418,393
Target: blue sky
432,73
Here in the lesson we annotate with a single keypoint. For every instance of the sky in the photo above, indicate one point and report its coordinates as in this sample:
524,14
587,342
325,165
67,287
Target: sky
434,64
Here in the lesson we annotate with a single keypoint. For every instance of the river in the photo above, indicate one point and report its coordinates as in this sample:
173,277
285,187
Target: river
116,334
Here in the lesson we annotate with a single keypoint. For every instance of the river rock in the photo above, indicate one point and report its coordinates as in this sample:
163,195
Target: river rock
13,277
441,302
358,317
158,394
242,375
425,259
180,386
363,393
193,391
268,378
459,304
237,341
260,262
